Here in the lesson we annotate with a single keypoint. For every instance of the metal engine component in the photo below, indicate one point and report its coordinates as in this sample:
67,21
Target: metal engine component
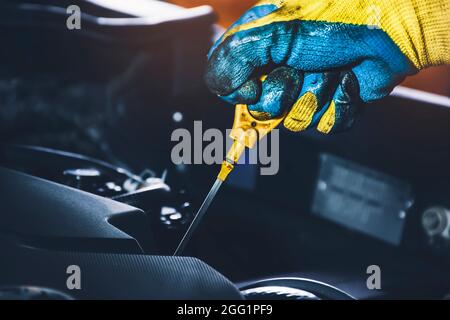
436,222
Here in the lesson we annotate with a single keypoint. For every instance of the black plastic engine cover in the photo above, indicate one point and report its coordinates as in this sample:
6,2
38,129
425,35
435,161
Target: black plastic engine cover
49,215
46,227
114,276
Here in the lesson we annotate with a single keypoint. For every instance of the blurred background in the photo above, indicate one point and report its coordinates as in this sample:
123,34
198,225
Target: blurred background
435,80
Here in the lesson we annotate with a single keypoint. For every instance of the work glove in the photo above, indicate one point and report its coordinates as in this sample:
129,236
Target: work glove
323,57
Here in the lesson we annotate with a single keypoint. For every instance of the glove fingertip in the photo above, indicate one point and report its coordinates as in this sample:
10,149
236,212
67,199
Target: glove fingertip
248,93
279,91
302,113
327,122
341,113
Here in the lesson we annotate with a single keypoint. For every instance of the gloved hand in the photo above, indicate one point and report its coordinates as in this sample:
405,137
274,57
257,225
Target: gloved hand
323,57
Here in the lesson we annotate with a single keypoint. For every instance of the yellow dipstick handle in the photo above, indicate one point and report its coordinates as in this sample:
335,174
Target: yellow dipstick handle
231,159
245,133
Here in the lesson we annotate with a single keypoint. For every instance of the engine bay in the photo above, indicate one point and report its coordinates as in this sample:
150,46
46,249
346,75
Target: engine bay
86,176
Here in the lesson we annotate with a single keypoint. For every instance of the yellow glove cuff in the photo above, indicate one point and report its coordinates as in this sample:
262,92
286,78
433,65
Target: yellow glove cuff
435,18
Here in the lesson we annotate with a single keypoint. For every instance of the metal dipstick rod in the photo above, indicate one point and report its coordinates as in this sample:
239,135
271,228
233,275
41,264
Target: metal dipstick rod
246,131
198,217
